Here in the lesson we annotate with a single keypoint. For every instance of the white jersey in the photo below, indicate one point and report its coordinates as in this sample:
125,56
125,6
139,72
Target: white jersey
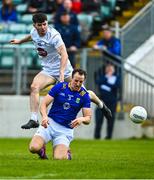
46,47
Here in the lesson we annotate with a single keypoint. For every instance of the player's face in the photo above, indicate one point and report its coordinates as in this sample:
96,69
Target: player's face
77,81
41,28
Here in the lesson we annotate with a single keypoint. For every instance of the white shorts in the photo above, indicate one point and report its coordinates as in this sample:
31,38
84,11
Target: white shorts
56,133
55,72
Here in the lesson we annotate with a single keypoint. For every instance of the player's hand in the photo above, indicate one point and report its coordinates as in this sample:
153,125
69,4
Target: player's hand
45,122
15,41
77,122
61,77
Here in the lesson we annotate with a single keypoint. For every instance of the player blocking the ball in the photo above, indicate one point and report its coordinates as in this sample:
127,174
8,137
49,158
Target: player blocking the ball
55,65
68,99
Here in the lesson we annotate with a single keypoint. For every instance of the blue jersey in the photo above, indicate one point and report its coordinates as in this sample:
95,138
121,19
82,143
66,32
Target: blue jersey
67,103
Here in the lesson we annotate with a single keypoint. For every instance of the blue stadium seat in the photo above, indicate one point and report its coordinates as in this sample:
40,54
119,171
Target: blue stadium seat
29,28
50,18
113,4
85,20
16,2
5,38
105,11
7,56
21,8
26,18
20,36
17,28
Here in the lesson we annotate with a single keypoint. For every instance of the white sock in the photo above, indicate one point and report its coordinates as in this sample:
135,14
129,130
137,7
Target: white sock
34,116
100,105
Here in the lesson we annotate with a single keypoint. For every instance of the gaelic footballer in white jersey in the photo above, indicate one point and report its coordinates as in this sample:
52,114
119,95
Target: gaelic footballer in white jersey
46,47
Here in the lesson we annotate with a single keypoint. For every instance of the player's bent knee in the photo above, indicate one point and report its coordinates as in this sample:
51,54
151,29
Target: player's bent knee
35,88
34,148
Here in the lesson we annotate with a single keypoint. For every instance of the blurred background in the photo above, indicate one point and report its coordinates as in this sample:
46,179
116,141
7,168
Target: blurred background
115,32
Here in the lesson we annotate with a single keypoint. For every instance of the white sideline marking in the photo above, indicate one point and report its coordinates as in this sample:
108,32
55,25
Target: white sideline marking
28,177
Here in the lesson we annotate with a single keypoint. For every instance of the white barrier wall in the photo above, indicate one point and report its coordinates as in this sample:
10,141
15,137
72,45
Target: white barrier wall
14,112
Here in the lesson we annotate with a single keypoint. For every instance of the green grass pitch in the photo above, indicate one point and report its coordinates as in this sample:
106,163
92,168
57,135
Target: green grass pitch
92,159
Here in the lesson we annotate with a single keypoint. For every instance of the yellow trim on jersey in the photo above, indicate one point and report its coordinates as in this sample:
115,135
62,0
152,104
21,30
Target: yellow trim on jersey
64,86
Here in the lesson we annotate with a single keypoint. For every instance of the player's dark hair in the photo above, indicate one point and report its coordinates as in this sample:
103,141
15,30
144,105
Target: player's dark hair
39,18
80,71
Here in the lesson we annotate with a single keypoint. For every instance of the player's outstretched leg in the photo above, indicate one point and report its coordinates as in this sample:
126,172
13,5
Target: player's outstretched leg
34,104
30,124
106,111
40,81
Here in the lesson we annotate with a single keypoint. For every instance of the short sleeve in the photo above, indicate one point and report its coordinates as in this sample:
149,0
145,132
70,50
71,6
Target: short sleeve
57,40
55,89
86,102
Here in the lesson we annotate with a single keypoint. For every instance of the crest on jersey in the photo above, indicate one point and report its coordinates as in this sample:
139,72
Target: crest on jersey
82,93
77,100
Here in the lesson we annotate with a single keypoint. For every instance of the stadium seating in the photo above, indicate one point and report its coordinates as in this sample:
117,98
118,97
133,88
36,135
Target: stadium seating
26,18
29,28
6,56
17,28
21,8
16,2
107,9
5,38
85,19
50,18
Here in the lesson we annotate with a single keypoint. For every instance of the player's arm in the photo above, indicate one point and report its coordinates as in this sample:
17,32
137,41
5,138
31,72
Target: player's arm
43,109
64,58
85,119
20,41
86,115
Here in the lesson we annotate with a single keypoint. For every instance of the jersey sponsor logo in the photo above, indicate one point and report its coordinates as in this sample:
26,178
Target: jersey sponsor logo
70,97
66,105
41,43
77,100
82,93
42,52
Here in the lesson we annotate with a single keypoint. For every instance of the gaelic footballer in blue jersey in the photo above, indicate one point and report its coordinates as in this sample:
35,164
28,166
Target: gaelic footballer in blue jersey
67,100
